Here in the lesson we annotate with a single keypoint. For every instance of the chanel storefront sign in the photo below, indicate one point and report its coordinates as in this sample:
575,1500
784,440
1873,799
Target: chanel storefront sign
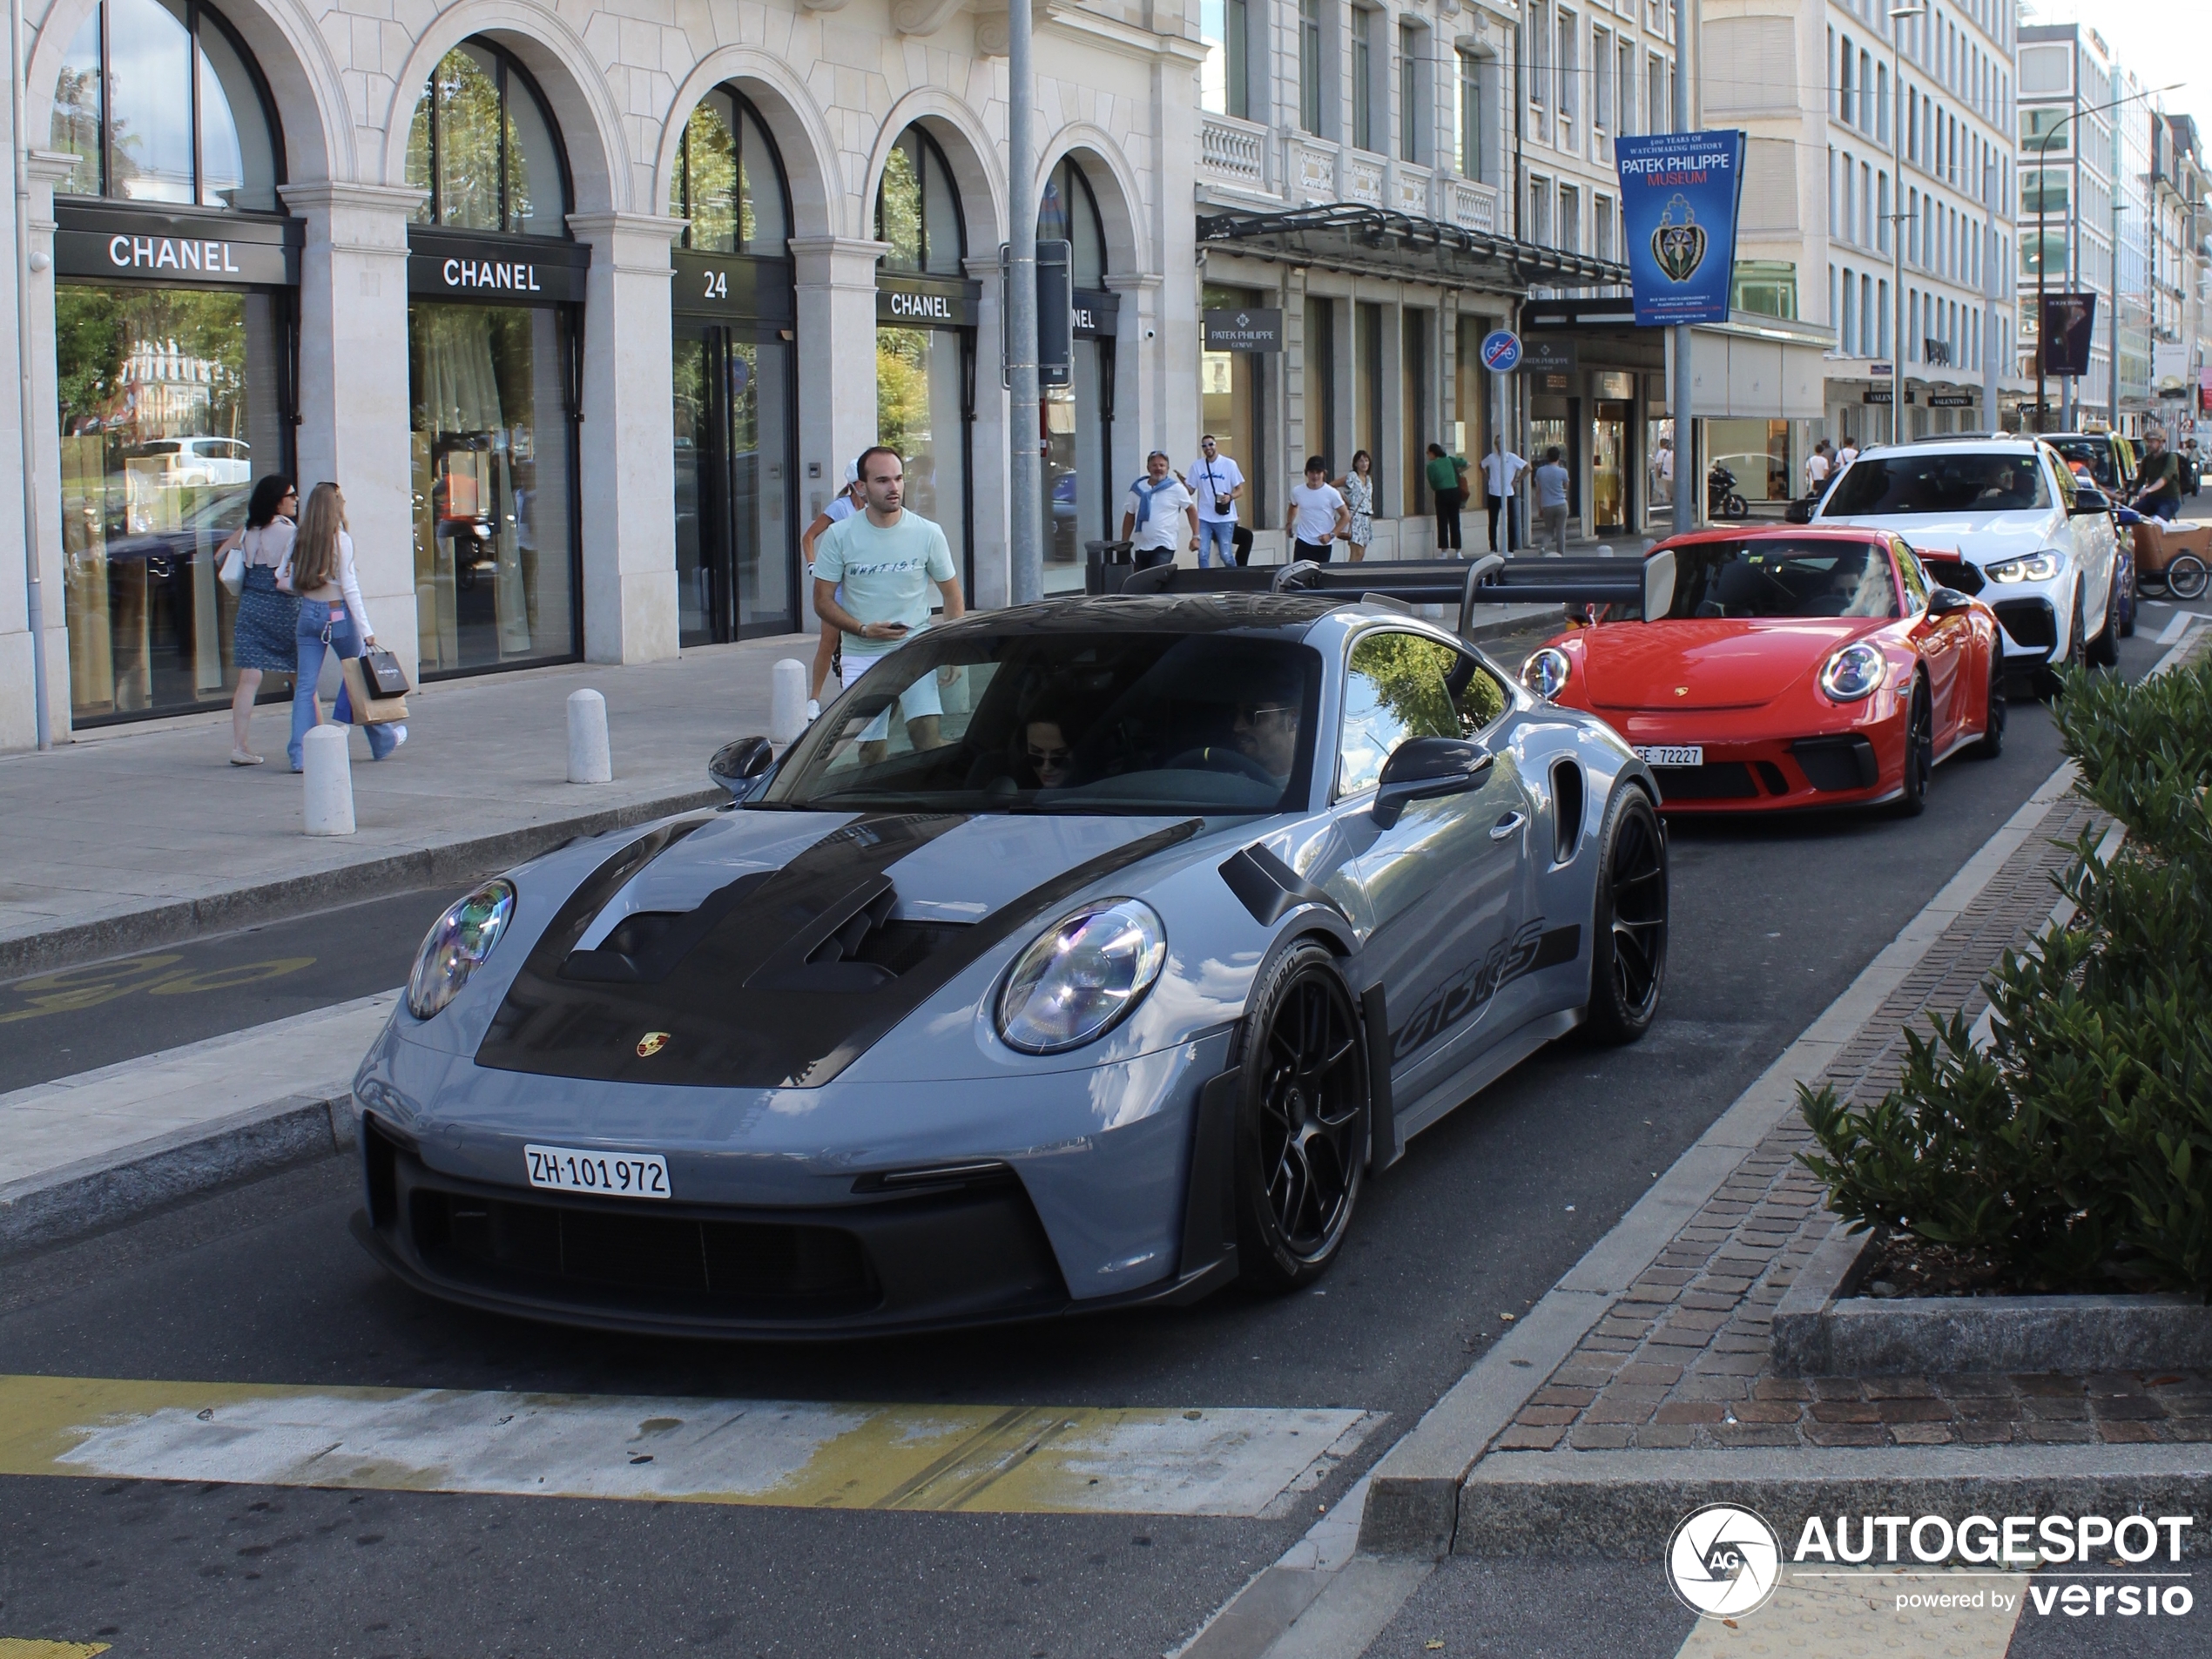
918,302
175,248
513,269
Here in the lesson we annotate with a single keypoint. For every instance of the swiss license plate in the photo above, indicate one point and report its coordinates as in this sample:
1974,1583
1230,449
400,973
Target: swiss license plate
1672,754
611,1175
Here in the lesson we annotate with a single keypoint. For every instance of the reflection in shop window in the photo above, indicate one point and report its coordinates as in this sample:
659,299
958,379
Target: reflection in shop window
728,181
920,375
1230,390
917,209
482,147
1078,419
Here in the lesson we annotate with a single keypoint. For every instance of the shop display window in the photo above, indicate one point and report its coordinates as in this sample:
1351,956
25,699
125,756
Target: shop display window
483,148
1230,388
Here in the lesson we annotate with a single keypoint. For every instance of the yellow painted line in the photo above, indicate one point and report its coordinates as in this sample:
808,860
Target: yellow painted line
1859,1616
20,1647
985,1458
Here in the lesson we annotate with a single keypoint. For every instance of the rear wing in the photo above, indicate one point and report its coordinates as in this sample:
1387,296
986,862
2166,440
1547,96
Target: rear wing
1648,584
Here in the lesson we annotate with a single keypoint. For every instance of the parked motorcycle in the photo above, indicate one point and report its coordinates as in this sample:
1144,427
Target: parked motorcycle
1721,499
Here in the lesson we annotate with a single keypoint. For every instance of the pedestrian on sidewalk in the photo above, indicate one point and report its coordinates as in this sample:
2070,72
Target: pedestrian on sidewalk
320,571
1214,481
1154,513
1551,501
1448,482
1358,489
1819,465
1848,452
1662,474
1319,514
264,636
842,507
1502,469
883,560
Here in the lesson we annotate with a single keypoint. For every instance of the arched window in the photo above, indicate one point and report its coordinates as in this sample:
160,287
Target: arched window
159,101
484,146
1069,213
729,181
917,209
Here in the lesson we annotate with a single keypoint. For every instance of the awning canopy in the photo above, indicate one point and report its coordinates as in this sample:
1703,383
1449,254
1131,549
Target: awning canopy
1351,236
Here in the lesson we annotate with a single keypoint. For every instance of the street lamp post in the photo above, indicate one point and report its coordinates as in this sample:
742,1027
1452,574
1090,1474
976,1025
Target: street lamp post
2042,210
1689,473
1897,14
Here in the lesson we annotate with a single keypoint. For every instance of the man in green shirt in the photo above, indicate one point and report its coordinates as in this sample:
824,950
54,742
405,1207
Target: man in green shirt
1447,483
885,558
2158,482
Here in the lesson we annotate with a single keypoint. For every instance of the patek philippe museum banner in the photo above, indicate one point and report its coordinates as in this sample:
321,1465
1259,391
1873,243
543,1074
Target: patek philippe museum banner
1678,198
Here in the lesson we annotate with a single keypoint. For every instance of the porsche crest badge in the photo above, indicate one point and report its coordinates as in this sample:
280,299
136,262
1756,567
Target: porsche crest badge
1679,691
652,1043
1678,245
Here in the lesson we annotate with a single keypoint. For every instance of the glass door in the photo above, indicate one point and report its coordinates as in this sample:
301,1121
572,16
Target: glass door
733,432
1610,469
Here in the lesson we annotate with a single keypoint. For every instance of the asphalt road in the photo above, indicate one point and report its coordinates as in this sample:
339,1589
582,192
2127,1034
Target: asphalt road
1772,920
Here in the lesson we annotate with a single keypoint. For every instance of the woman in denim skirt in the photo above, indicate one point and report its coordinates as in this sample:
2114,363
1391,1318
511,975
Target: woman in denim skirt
263,638
332,616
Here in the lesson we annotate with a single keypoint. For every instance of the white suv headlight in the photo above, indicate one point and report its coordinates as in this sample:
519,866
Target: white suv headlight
456,946
2029,567
1082,976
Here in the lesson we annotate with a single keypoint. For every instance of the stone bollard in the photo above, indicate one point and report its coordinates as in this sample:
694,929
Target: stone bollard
1605,549
327,801
788,701
590,758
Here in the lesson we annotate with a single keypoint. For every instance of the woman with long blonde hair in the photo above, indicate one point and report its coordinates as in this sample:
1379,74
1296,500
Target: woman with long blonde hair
332,616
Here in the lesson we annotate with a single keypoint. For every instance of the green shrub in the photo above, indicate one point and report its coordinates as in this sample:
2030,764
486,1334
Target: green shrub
2078,1151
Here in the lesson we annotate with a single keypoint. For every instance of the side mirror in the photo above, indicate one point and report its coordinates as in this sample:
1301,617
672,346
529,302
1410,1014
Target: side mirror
1423,768
1658,583
1799,512
1944,602
737,766
2088,500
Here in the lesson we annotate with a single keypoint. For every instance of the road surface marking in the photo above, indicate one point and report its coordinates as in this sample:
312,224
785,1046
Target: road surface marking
21,1647
1246,1462
2178,626
1857,1615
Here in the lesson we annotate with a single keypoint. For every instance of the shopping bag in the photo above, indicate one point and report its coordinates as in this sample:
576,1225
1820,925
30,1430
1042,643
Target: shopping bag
232,572
369,708
386,678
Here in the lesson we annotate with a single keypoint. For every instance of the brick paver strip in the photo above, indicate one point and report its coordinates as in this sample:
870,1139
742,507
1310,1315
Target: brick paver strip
1681,1363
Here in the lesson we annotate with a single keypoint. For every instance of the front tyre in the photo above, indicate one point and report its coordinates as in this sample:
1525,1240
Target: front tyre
2103,651
1627,920
1991,743
1302,1122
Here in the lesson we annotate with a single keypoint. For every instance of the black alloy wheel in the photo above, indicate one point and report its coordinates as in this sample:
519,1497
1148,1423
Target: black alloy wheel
1920,753
1302,1122
1627,920
2103,651
1992,733
2054,676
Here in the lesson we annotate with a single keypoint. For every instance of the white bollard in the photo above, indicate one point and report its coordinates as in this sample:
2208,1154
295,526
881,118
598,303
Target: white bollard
590,758
788,701
1605,549
327,801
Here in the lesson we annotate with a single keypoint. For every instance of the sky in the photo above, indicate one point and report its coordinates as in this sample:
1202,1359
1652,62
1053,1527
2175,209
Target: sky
2160,40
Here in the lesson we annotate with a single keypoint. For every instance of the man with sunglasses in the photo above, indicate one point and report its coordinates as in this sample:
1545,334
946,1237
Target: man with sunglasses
1215,480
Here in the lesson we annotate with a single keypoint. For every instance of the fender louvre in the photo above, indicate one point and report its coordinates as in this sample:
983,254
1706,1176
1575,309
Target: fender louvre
1269,888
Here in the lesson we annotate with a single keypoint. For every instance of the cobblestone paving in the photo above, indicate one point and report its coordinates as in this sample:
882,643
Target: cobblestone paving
1682,1359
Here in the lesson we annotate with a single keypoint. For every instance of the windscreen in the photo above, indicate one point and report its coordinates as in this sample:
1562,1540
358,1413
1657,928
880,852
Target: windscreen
1772,576
1075,722
1943,481
2094,453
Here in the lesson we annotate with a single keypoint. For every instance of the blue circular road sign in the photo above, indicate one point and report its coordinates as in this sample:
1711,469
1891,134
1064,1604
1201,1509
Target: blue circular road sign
1501,351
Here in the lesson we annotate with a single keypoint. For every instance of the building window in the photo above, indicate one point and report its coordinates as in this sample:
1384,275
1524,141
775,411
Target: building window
1309,65
1570,98
1363,24
2044,189
1882,214
1570,218
1602,73
483,147
918,211
1225,79
729,181
1765,288
1627,82
1470,114
1320,399
1601,226
1540,210
159,101
1658,110
1540,53
1409,93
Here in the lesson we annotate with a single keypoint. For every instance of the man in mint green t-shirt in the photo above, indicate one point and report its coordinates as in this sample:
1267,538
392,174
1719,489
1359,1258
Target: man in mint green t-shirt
885,559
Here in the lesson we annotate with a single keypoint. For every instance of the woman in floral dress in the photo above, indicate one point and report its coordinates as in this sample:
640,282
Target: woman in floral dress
1358,491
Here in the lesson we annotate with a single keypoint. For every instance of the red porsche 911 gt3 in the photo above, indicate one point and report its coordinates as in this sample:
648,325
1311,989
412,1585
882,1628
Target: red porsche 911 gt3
1792,667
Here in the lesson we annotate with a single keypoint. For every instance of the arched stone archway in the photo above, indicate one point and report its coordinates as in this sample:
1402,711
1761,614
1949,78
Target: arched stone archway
1113,185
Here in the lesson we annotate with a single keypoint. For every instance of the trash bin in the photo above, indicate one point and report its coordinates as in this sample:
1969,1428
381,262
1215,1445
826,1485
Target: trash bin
1107,566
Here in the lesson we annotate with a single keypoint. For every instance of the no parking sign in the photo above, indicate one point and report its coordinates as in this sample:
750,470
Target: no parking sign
1501,351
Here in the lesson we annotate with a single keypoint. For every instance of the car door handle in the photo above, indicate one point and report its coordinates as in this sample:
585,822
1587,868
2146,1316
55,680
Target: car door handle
1504,828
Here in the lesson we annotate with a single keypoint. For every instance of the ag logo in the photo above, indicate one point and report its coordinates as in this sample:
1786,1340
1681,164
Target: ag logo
1680,248
1723,1562
652,1043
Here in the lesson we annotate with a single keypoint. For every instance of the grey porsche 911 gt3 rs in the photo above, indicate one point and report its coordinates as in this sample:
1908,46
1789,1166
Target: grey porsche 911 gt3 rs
1083,954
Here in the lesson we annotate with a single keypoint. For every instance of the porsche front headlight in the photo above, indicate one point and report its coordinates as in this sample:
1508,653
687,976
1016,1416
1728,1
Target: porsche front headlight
1546,671
1852,672
456,946
2029,567
1082,976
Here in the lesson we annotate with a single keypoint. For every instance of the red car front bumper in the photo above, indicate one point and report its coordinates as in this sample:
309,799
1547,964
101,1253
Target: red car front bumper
1750,767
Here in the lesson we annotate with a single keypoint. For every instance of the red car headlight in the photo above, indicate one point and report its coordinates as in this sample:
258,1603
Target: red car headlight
1854,672
1546,671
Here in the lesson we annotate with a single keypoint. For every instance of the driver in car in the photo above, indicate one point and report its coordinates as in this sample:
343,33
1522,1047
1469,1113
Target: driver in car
2002,490
1265,730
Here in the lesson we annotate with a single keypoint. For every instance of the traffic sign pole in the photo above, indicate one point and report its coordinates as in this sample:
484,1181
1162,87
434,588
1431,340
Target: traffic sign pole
1500,355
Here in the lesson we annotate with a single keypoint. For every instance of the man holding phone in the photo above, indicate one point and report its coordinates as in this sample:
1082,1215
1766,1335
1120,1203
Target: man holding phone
886,557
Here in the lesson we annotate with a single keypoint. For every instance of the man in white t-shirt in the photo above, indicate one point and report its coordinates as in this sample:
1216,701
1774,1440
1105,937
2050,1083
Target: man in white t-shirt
1849,453
1502,469
1319,514
1154,513
884,560
1663,473
1215,482
1817,467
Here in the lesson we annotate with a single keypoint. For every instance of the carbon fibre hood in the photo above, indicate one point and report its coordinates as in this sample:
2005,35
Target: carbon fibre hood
781,978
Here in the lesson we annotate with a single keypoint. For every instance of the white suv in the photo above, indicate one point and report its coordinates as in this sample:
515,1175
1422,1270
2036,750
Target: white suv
2044,547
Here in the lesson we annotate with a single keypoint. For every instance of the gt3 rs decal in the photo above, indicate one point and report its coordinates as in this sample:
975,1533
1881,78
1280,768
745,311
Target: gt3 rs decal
1531,948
